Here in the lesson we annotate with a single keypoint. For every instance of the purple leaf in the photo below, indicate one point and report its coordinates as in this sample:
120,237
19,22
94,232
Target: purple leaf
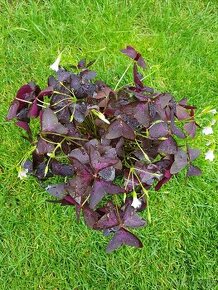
103,92
147,173
100,189
131,219
12,112
79,185
194,171
119,129
44,147
108,220
165,179
28,165
25,126
58,168
183,102
137,77
181,113
123,237
81,169
152,110
63,115
46,92
168,146
142,114
132,53
163,100
81,64
158,130
193,153
26,93
57,190
176,131
50,123
83,179
99,162
72,131
40,170
34,110
190,128
151,147
79,154
108,173
78,111
68,200
22,115
88,74
90,216
119,147
84,90
180,161
63,76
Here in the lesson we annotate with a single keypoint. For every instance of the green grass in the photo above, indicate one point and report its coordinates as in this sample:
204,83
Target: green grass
41,245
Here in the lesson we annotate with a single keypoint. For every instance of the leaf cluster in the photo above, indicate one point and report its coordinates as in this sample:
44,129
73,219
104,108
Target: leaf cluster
106,144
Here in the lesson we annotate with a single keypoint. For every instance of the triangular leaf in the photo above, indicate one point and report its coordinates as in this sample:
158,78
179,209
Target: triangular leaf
99,162
190,128
57,190
193,153
158,130
50,123
181,160
194,171
61,169
132,53
100,189
131,219
176,131
123,237
108,220
181,113
119,129
168,146
90,216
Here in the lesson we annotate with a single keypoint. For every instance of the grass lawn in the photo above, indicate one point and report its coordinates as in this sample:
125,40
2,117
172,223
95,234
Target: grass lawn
41,245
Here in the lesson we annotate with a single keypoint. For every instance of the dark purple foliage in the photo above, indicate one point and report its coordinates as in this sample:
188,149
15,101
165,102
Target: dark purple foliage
123,237
193,153
104,143
118,129
132,53
180,161
190,128
168,146
193,171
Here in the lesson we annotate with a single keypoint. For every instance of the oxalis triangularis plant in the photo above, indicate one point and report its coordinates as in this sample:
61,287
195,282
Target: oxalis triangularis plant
111,146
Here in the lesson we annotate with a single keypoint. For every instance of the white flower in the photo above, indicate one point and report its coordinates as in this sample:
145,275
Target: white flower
213,122
22,173
213,111
55,65
136,203
209,155
207,131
